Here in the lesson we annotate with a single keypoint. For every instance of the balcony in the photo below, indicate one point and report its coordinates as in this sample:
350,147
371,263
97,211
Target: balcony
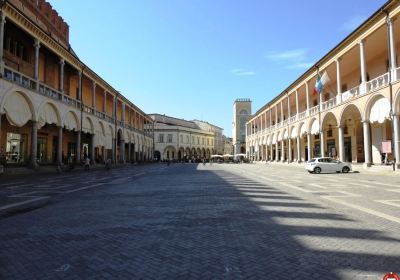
378,82
19,78
350,93
314,110
329,104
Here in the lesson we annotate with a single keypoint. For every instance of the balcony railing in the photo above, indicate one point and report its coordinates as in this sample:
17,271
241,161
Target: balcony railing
19,78
293,119
350,93
302,115
329,104
314,110
378,82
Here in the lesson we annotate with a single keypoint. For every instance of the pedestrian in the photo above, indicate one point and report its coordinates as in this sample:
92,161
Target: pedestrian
87,163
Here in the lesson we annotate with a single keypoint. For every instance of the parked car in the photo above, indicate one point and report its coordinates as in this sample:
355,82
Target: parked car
326,165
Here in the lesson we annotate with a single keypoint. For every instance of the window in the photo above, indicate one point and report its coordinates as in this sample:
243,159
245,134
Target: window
169,138
161,138
181,138
198,140
187,139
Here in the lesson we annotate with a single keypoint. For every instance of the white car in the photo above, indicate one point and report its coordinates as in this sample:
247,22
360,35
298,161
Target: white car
326,165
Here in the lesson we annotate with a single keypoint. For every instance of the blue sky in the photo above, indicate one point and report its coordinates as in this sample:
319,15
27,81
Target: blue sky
192,58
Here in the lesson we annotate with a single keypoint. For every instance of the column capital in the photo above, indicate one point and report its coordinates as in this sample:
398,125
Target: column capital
362,42
338,60
389,21
62,61
94,84
365,121
80,73
2,17
37,44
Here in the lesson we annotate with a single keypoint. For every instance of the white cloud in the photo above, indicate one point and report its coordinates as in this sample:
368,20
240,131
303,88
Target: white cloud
291,59
353,23
242,72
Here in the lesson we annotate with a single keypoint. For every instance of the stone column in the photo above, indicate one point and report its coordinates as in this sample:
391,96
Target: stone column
392,54
297,103
322,143
270,117
283,150
277,151
123,114
289,150
308,99
80,86
94,95
36,69
276,114
396,124
78,147
129,151
338,82
298,149
2,22
308,146
271,147
105,101
122,151
288,106
92,149
34,144
60,145
114,158
367,144
62,64
363,67
282,111
341,143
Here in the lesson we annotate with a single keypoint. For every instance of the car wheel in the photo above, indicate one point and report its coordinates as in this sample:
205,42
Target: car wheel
345,169
317,170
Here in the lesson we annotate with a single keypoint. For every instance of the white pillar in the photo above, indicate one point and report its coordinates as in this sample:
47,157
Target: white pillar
392,54
367,144
308,146
78,147
92,149
34,144
123,113
282,111
2,22
307,99
283,150
94,95
80,85
297,102
363,86
276,114
322,143
396,124
277,151
36,69
338,82
341,143
60,145
114,155
270,117
298,149
271,150
289,150
288,106
122,150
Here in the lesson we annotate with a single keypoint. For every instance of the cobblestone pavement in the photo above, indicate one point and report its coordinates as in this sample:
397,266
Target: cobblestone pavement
187,221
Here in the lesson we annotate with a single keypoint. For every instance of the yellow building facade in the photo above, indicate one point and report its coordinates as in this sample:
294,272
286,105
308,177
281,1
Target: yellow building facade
354,118
53,107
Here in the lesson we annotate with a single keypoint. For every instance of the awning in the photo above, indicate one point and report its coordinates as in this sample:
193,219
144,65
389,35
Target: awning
47,115
380,111
87,125
17,109
303,130
315,127
285,135
71,122
293,133
273,139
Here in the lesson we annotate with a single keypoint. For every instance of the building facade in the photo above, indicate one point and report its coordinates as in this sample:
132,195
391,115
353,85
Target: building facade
241,114
228,145
181,140
354,118
52,105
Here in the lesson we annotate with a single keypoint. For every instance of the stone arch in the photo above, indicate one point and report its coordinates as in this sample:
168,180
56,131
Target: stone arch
313,126
328,119
346,111
369,104
18,108
302,129
169,152
48,113
71,121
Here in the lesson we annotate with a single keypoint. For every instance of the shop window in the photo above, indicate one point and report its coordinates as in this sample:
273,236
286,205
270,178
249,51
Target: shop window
41,155
16,148
72,151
